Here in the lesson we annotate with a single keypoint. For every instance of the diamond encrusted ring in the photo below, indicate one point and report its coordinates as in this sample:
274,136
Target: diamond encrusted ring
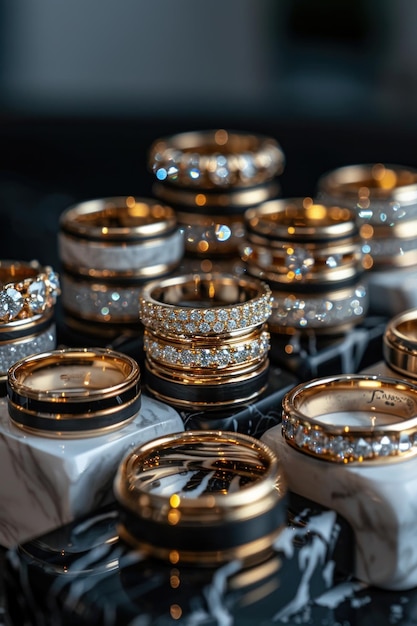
201,305
27,289
216,159
352,418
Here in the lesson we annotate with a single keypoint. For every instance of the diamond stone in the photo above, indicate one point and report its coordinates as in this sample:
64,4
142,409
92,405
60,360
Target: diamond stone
11,303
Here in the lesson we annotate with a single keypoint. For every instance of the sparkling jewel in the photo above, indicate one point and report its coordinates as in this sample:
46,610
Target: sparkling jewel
213,358
346,448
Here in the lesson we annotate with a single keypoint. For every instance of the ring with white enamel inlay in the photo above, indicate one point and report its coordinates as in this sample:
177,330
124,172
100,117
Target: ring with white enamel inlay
352,419
27,289
124,237
216,159
74,392
203,305
204,497
400,343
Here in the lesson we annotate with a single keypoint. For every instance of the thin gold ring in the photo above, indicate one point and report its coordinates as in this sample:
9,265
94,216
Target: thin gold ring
216,159
352,419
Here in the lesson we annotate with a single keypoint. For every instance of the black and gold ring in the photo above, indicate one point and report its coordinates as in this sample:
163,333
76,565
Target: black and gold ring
73,392
202,497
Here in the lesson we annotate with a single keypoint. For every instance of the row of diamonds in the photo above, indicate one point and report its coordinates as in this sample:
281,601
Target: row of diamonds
219,169
304,312
212,358
346,448
29,297
212,321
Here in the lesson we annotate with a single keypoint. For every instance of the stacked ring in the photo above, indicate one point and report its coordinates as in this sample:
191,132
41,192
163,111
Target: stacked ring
205,339
109,248
211,178
73,392
384,198
201,497
310,255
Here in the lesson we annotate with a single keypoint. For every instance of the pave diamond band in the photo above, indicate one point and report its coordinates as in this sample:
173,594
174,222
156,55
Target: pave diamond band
27,289
351,419
216,159
206,356
204,305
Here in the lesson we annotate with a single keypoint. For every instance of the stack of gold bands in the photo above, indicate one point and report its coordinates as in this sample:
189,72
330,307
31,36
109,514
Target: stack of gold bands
109,248
211,178
384,198
201,497
205,339
311,257
27,305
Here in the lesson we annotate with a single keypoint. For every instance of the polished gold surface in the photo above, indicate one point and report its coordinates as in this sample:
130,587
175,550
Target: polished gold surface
123,218
73,374
151,483
400,343
300,219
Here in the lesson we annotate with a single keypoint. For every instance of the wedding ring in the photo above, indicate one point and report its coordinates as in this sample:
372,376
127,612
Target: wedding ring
400,343
300,220
352,419
328,312
203,305
202,497
381,195
27,289
123,237
208,201
207,356
211,390
215,159
73,392
22,337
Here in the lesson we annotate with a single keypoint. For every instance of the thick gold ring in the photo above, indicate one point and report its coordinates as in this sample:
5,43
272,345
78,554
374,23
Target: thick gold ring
73,392
216,159
202,305
352,419
27,290
400,343
204,497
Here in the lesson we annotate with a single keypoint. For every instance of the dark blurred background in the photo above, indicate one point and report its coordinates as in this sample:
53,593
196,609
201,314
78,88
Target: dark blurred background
87,85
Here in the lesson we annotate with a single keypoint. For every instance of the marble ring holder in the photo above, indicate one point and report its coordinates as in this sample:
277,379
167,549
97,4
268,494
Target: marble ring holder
350,443
202,497
109,248
69,417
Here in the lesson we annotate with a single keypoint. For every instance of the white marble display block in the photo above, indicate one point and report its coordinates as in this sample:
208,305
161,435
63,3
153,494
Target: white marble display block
378,500
47,482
